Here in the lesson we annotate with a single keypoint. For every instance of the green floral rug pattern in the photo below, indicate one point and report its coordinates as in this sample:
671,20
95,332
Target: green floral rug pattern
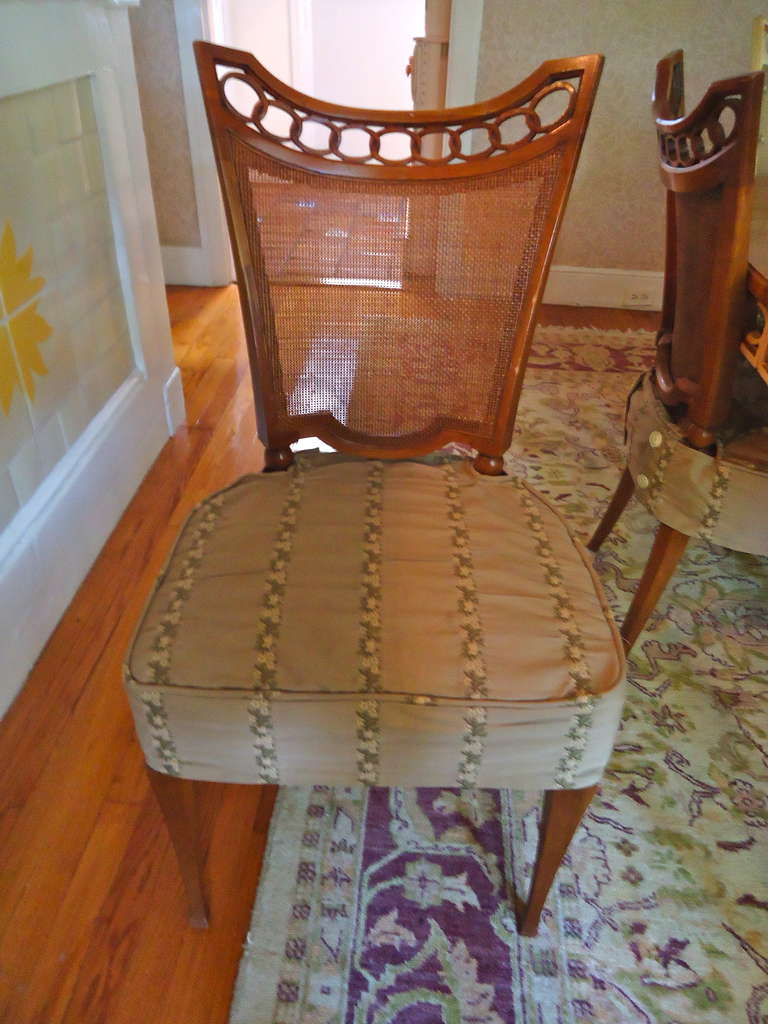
392,906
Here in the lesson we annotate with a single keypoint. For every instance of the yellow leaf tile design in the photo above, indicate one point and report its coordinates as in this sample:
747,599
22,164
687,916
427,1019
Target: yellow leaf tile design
24,328
9,375
28,329
16,282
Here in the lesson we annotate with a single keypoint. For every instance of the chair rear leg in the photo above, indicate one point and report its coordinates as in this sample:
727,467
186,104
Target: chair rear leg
621,496
666,552
178,802
563,810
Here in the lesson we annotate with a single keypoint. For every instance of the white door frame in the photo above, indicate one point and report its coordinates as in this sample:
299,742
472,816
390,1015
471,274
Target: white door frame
210,262
463,52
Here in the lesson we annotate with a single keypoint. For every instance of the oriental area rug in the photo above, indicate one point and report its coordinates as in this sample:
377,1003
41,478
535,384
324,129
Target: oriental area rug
390,906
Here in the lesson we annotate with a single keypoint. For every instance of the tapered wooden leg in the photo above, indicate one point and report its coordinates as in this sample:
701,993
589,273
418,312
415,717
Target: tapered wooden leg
666,552
177,799
563,810
621,496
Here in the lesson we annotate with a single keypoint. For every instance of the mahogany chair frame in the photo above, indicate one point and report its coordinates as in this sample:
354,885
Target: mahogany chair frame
563,809
700,326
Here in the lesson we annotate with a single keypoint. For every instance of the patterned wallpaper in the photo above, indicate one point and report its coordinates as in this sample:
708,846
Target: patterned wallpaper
158,72
615,216
64,341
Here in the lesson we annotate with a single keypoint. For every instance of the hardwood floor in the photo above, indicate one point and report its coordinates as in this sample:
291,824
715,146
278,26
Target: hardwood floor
92,922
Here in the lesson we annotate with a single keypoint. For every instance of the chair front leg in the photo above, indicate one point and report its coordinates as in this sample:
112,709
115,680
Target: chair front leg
563,810
621,496
178,802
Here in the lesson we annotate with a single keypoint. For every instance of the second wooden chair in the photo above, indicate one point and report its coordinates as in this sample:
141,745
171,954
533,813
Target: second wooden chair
688,460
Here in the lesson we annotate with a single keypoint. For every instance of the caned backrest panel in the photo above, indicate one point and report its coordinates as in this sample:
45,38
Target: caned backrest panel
707,161
391,263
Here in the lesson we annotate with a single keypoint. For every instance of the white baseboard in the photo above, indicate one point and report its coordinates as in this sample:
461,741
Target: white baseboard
173,400
603,286
566,286
48,548
191,265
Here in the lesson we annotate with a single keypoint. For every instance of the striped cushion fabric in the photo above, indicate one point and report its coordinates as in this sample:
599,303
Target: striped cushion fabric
394,623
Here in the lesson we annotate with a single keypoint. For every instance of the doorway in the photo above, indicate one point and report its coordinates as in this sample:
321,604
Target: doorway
353,52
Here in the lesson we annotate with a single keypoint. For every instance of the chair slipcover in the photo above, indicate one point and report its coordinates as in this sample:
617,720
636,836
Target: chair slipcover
705,496
395,623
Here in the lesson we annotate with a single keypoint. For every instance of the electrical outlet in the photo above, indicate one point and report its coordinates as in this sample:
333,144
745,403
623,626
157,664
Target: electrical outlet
638,297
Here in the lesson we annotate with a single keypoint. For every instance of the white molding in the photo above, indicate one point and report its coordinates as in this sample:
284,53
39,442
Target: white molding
173,400
121,193
302,46
604,286
50,545
189,264
212,264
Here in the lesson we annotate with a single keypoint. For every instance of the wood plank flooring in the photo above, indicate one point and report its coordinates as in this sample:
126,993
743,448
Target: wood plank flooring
92,927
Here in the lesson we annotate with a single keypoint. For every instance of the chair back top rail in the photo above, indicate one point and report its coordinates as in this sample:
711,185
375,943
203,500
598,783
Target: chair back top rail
219,67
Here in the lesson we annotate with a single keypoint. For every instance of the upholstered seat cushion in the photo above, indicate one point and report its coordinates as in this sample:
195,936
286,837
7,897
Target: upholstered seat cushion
384,622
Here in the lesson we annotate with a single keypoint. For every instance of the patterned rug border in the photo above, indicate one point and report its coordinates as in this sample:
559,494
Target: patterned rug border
279,866
610,332
591,349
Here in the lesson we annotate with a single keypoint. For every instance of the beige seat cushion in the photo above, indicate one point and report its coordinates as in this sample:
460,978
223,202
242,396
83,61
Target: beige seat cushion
358,608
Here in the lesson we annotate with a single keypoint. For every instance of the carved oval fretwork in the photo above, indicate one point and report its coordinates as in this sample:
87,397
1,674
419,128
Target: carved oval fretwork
353,141
687,148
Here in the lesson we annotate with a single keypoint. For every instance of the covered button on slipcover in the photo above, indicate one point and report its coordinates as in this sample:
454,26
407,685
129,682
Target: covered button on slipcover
393,623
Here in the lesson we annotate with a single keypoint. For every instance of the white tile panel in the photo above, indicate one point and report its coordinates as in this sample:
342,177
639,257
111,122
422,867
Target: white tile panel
41,117
53,195
36,458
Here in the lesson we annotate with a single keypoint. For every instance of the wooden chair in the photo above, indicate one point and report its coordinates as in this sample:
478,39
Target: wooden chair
680,417
380,615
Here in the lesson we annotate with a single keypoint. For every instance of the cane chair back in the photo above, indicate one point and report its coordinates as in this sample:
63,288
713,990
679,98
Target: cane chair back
707,161
389,295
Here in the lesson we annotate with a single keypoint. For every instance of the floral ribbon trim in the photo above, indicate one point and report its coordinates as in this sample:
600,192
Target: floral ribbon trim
159,662
157,719
717,494
573,645
472,644
268,632
369,643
